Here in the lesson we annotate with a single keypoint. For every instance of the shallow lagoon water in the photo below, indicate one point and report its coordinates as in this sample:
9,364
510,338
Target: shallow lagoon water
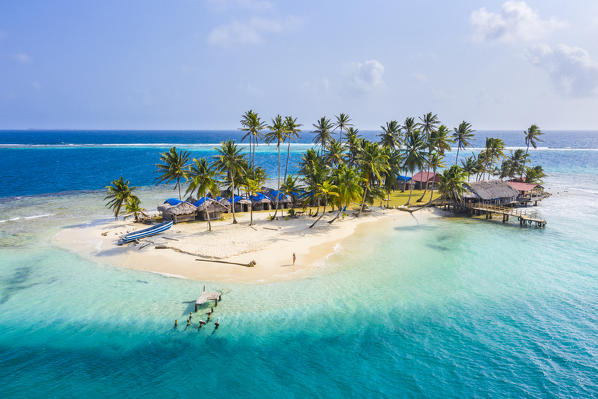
438,308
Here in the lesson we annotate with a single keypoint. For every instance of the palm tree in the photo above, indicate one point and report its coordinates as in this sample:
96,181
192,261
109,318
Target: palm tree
203,178
395,163
390,135
348,183
354,144
440,142
133,207
289,187
118,194
343,121
323,130
436,162
410,126
515,164
470,166
428,125
251,186
462,135
334,157
493,152
373,162
532,136
451,184
291,134
414,155
231,160
534,175
276,134
325,190
315,173
253,125
174,167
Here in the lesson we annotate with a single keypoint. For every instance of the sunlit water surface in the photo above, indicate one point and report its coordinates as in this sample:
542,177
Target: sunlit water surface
438,308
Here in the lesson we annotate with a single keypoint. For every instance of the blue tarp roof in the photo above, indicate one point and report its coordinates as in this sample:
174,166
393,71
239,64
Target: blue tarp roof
199,201
274,193
173,201
403,178
259,197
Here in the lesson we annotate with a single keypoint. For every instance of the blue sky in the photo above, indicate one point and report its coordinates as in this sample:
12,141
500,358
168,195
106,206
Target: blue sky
199,64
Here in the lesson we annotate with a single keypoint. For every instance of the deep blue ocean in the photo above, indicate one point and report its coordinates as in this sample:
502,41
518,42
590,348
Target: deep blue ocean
442,308
41,162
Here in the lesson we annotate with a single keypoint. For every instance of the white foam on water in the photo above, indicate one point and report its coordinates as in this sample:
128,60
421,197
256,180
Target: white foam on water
39,216
171,275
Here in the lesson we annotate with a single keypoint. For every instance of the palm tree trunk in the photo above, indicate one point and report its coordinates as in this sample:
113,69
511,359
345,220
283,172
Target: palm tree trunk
432,191
365,192
340,210
205,198
457,159
318,219
286,167
427,183
251,149
410,189
178,183
232,203
251,214
278,184
388,199
317,206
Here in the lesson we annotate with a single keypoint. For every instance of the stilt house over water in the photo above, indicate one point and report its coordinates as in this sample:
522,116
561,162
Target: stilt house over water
494,192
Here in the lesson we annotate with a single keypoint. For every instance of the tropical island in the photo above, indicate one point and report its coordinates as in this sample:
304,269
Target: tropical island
227,223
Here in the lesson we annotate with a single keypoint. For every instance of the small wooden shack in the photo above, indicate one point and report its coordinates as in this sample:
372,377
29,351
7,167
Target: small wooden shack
529,193
494,192
261,203
182,212
212,208
421,178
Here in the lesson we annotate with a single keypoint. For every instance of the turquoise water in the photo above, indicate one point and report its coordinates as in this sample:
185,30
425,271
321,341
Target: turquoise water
438,308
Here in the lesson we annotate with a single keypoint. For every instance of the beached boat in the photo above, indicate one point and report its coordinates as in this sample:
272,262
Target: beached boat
135,235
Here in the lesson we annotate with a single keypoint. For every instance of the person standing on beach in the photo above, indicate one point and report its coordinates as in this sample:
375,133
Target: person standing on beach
294,258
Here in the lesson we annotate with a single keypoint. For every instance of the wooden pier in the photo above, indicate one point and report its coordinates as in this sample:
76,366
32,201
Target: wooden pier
207,296
505,212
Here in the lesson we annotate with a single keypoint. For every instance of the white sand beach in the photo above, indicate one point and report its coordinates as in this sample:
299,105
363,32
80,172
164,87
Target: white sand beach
270,244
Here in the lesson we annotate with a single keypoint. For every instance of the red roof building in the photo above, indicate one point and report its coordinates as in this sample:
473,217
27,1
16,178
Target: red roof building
424,177
522,187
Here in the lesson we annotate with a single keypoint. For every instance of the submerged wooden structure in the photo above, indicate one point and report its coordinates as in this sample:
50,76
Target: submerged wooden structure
505,212
207,296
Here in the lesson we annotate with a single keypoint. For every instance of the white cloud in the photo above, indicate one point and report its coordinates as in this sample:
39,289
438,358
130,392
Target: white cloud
250,32
571,69
223,5
516,21
364,76
22,58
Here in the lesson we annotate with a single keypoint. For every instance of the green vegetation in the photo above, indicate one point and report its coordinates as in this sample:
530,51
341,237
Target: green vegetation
345,173
119,193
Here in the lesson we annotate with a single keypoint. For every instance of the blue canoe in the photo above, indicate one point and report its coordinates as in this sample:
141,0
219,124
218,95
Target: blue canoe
145,232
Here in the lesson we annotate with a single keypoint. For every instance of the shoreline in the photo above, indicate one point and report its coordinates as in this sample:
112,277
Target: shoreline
270,244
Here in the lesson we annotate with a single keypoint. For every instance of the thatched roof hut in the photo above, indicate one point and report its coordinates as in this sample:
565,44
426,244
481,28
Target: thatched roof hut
491,191
211,207
182,212
261,202
284,200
